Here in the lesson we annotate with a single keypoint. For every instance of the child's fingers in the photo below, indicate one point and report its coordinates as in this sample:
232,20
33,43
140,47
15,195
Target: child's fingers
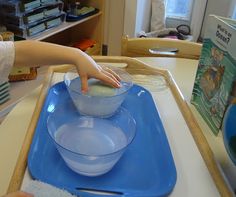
109,80
84,83
111,72
111,76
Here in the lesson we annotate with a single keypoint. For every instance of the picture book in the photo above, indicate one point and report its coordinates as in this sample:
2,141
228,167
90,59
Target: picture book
215,83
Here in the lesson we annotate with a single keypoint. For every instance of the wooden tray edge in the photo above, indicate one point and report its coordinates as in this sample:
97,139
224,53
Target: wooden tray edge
134,65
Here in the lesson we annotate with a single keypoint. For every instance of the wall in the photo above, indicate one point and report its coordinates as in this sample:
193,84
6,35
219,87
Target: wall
124,17
143,16
130,17
137,17
199,8
113,25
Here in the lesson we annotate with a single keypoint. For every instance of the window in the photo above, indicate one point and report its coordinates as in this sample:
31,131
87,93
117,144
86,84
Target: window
179,9
188,12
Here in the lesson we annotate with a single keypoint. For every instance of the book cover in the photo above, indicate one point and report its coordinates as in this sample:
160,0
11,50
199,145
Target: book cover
215,83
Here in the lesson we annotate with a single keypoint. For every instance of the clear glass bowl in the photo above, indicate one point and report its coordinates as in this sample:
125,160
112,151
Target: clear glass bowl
101,100
229,131
91,146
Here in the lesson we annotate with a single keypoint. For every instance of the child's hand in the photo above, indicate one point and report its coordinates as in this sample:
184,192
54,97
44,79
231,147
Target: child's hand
92,69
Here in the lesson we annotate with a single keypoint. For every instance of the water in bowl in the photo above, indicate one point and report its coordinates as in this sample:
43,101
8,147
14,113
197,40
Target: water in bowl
100,100
93,139
98,88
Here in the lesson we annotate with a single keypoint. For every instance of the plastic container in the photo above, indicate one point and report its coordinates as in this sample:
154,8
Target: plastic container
26,19
53,10
55,21
91,146
16,6
43,2
27,31
100,100
32,30
34,16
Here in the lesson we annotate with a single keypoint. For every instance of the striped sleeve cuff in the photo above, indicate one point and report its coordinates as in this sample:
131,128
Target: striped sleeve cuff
7,57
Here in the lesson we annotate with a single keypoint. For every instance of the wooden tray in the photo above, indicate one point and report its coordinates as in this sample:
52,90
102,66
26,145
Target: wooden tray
147,77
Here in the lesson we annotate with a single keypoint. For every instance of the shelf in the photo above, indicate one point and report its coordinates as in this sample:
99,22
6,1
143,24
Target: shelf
64,26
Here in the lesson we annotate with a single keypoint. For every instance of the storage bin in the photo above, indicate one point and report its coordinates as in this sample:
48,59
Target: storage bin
55,21
29,19
16,7
32,30
35,16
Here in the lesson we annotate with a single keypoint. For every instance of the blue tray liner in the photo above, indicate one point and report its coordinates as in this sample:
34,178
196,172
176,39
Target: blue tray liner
146,169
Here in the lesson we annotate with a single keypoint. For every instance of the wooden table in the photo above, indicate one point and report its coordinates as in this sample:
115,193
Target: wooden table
193,178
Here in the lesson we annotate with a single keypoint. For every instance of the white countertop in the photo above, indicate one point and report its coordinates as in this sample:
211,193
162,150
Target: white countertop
18,90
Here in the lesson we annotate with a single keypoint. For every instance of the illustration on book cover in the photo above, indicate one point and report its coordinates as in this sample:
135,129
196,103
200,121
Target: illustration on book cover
216,74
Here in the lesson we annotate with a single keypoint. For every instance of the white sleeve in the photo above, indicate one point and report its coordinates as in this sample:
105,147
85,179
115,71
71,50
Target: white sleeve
7,58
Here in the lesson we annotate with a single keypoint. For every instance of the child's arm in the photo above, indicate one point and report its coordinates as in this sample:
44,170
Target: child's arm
31,53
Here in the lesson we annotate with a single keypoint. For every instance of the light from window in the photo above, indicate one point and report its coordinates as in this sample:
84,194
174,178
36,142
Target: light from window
234,14
180,9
